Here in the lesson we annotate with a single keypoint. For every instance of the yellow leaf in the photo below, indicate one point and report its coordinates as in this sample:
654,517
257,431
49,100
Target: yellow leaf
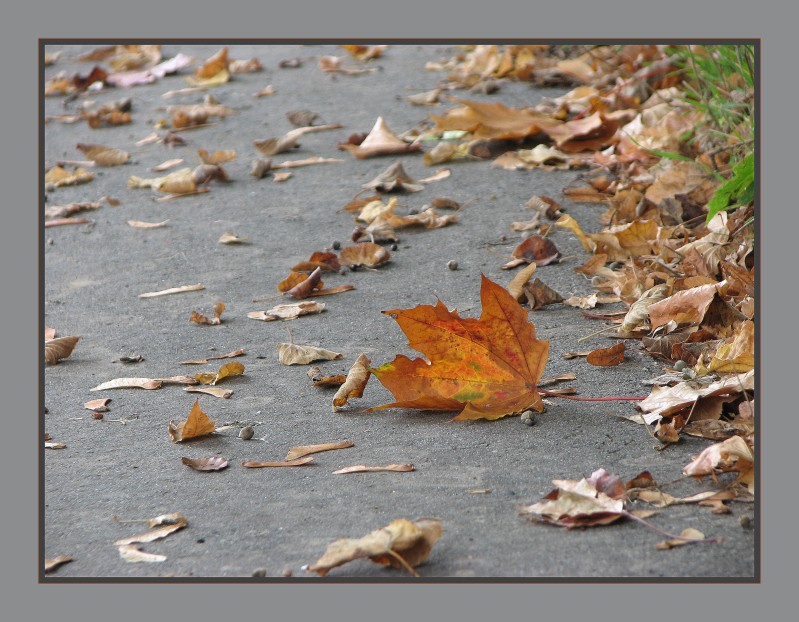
197,424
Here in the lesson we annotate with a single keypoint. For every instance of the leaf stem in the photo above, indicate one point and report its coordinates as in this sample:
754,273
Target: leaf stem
666,533
622,398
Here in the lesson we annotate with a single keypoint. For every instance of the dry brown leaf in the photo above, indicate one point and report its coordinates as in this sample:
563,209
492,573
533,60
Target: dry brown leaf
428,98
213,66
356,381
295,354
694,535
197,424
638,313
219,309
104,156
366,254
229,355
429,219
98,405
362,468
301,118
272,146
299,285
364,52
173,290
165,525
738,355
250,464
305,162
393,179
58,176
288,311
567,222
446,151
140,224
380,141
539,294
217,157
582,302
59,348
320,380
607,357
213,463
535,249
49,333
53,563
129,383
132,553
215,391
228,369
686,307
304,450
492,121
517,284
732,454
326,260
332,64
402,544
58,222
250,65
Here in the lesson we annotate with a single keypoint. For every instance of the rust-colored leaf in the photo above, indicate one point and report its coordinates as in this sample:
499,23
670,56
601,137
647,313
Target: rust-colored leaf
197,424
535,249
250,464
59,348
320,380
214,463
402,544
319,259
539,294
362,468
304,450
356,381
198,318
304,285
485,368
607,357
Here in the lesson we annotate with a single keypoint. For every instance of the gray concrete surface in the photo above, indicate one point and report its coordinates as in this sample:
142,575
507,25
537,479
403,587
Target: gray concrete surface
276,519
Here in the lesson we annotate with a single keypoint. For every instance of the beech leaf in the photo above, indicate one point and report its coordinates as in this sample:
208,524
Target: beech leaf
485,368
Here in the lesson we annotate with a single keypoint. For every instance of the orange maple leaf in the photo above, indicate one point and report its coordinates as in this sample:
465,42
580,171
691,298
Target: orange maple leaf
486,368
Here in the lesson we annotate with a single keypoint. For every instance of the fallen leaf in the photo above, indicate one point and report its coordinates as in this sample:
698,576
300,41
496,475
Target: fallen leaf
54,445
214,71
99,405
272,146
58,176
361,468
737,356
318,379
326,260
366,254
732,454
304,450
692,534
492,121
217,157
58,349
332,64
228,369
288,463
206,464
365,52
582,302
250,65
486,368
301,118
266,91
535,249
394,178
576,504
380,141
140,224
402,544
165,525
607,357
215,391
278,177
288,311
638,313
295,354
428,98
58,222
104,156
446,151
49,333
355,384
132,553
539,294
53,563
197,424
686,307
567,222
129,383
305,162
517,284
198,318
229,355
173,290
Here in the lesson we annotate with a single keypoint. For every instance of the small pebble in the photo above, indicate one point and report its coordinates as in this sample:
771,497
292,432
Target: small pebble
286,572
336,245
246,433
97,415
680,365
688,374
394,247
744,521
452,264
528,417
259,572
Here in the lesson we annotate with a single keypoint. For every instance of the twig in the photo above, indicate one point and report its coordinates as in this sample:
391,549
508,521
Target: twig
624,398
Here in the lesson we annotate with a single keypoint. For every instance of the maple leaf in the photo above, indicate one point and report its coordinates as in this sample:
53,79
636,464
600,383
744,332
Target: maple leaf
485,368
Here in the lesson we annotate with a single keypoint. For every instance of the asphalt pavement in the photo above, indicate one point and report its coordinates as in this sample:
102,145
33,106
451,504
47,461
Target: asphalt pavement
272,522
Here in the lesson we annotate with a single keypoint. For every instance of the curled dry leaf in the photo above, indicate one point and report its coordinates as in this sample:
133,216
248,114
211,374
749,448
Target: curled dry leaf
104,156
49,333
582,302
320,380
567,222
428,98
250,65
535,249
402,544
607,357
250,464
130,383
539,294
54,445
229,355
295,354
366,254
214,463
58,349
301,118
272,146
62,211
228,369
362,468
165,525
53,563
394,178
217,157
215,391
140,224
131,553
517,284
299,285
278,177
639,310
173,290
686,307
446,151
197,424
99,405
305,162
58,176
304,450
380,141
197,318
364,52
356,381
732,454
288,311
166,165
690,535
58,222
326,260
